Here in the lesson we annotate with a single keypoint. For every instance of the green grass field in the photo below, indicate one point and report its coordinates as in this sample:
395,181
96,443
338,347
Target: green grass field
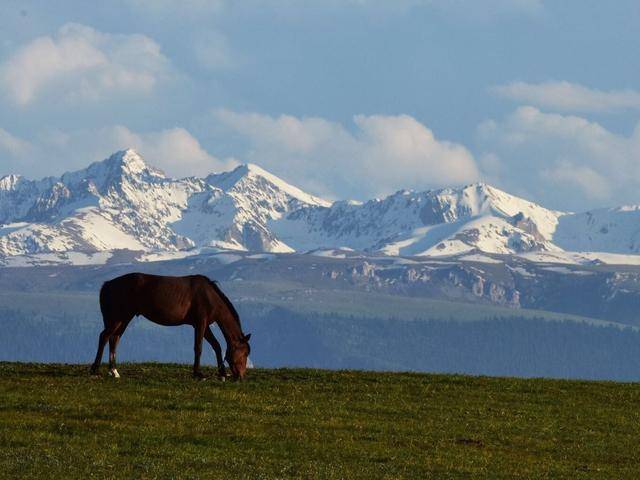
156,422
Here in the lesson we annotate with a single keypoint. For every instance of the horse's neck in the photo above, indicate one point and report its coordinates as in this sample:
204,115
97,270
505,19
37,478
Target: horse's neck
230,328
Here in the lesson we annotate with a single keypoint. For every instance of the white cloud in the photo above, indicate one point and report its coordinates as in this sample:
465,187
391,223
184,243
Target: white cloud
173,150
563,159
415,154
80,64
566,96
12,145
592,184
16,154
383,154
286,132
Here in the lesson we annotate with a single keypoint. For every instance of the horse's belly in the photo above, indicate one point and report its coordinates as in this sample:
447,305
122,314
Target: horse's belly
167,318
167,322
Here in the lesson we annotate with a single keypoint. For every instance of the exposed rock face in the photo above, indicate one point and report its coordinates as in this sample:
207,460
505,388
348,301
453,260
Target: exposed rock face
527,225
464,282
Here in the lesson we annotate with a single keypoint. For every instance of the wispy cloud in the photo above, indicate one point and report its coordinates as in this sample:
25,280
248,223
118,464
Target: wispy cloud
569,97
80,63
174,150
12,145
566,159
383,153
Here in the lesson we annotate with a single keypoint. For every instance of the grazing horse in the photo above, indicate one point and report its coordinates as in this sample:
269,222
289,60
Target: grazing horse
192,300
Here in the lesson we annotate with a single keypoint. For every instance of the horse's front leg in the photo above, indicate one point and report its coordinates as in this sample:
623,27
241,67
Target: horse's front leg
197,349
208,335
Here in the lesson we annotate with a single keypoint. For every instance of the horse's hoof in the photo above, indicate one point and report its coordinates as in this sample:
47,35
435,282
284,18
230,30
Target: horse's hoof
223,379
199,376
114,373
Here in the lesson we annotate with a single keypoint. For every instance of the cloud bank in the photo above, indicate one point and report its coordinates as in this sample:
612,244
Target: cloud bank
174,150
148,74
80,63
565,159
382,154
569,97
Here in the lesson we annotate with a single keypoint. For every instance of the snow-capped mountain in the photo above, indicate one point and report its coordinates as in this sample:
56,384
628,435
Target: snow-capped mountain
440,222
615,230
122,203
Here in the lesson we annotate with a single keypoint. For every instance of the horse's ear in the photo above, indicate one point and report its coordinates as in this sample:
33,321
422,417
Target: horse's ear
247,337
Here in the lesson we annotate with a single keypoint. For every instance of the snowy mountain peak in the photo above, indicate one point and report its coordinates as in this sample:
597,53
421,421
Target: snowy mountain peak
250,175
482,199
122,203
9,182
434,222
130,162
125,166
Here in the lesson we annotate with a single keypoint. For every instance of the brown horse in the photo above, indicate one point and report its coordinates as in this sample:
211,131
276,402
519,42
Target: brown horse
193,300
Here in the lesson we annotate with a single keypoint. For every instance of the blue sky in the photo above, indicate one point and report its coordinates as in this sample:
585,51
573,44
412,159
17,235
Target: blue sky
347,99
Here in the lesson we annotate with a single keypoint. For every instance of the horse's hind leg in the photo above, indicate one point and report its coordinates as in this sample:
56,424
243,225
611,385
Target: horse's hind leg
104,337
113,345
208,335
197,349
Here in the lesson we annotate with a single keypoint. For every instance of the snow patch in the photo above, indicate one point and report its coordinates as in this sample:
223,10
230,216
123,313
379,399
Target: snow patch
479,258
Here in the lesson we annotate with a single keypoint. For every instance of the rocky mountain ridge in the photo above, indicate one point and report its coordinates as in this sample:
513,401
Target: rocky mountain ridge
123,204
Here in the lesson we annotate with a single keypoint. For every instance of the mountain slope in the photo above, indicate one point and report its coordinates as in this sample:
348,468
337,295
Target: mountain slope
122,203
119,203
245,199
440,222
615,230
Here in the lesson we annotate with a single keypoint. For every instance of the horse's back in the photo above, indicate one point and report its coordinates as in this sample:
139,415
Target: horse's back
162,299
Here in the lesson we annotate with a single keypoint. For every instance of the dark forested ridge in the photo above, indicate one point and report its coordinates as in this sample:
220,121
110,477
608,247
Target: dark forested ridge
513,346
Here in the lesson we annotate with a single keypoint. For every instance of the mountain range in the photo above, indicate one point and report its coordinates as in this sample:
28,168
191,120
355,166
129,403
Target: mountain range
465,279
122,204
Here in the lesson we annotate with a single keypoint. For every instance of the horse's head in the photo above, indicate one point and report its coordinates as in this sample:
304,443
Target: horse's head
237,355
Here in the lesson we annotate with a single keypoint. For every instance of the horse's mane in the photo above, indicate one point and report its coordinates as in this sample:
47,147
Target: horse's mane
225,299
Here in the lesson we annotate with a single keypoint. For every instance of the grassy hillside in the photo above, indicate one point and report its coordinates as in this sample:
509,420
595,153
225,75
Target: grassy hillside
156,422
